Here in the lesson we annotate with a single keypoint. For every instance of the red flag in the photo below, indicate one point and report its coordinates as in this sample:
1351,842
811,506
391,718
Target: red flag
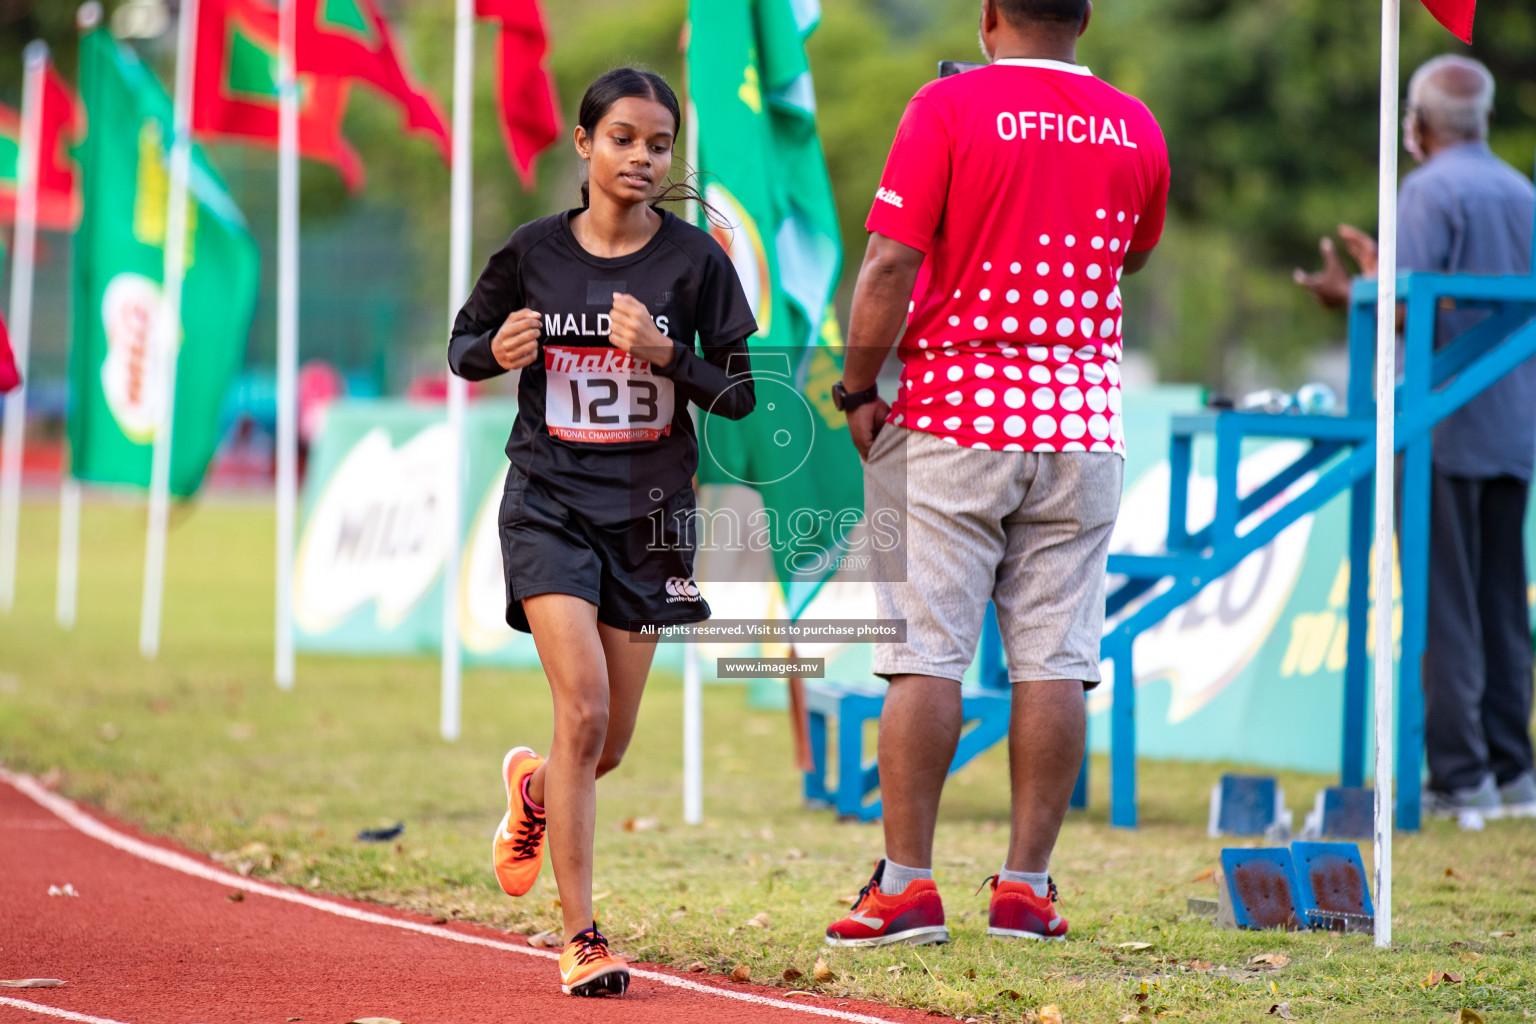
236,93
351,39
530,117
58,181
9,378
1455,15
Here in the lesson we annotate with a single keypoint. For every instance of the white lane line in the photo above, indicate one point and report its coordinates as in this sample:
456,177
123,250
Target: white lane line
54,1011
84,822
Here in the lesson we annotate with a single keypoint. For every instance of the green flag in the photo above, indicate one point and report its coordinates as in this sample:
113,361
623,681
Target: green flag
760,159
115,368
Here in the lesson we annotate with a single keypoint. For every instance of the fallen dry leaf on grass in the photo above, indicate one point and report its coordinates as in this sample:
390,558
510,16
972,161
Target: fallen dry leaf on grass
1470,957
1502,935
1272,959
760,920
1441,978
697,967
1467,1015
1283,1011
1201,965
33,983
1205,876
545,940
823,973
896,969
1011,994
1134,947
1453,873
791,974
741,973
641,824
1050,1014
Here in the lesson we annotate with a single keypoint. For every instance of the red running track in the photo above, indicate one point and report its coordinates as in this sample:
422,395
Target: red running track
153,939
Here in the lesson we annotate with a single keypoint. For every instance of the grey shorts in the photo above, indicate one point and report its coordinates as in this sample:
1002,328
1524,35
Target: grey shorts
1028,531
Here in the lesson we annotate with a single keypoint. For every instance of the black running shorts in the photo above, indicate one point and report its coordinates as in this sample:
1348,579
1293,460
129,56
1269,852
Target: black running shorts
637,573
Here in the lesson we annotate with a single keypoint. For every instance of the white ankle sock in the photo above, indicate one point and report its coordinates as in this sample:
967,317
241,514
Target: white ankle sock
1036,880
896,877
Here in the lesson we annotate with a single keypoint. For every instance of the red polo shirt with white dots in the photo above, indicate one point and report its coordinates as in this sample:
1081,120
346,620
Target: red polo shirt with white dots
1026,183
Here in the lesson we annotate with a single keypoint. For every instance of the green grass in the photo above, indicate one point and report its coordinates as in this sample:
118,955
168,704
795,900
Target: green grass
201,747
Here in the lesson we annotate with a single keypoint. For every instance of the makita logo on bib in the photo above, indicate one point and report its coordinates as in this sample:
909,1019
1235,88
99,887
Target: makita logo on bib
885,195
680,588
602,361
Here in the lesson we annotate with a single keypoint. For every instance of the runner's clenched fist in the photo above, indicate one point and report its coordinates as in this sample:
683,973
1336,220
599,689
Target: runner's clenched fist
517,342
635,332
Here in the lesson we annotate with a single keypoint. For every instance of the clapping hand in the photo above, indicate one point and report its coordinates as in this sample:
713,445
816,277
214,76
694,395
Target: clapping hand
1330,285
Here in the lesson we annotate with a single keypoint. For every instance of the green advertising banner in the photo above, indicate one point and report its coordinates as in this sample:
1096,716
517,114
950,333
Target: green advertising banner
1250,672
115,363
368,570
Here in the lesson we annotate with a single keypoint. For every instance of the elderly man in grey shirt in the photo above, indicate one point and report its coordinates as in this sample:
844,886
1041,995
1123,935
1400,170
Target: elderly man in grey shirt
1465,211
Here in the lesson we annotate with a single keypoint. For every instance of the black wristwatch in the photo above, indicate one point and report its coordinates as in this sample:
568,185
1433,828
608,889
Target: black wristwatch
847,401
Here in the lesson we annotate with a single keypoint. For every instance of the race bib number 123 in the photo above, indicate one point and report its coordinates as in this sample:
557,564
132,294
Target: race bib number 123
604,396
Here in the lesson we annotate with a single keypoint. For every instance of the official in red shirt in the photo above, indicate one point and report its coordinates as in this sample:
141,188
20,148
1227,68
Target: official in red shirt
1014,198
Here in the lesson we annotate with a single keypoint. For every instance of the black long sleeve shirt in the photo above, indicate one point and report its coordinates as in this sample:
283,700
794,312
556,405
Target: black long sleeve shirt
609,435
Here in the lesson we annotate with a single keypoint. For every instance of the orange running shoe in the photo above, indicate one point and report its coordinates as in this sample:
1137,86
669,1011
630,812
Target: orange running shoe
915,916
1017,913
589,968
517,851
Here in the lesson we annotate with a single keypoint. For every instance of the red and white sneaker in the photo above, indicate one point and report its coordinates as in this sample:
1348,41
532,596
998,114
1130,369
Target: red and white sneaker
915,916
1017,913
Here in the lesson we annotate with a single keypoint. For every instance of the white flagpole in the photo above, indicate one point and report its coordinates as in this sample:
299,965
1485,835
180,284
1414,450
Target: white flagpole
67,589
693,737
287,337
66,597
168,332
460,241
693,688
36,62
1386,383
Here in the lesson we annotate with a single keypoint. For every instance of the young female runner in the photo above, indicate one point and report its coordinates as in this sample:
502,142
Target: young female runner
599,308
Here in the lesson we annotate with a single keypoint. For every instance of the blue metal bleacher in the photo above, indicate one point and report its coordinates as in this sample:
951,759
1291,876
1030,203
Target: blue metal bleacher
1339,456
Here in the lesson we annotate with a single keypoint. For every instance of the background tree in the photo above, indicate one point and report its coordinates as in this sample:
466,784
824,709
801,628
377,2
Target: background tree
1269,108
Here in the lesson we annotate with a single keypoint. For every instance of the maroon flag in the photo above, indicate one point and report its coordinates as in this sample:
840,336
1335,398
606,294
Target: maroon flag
9,378
525,92
58,179
1455,15
351,39
235,97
